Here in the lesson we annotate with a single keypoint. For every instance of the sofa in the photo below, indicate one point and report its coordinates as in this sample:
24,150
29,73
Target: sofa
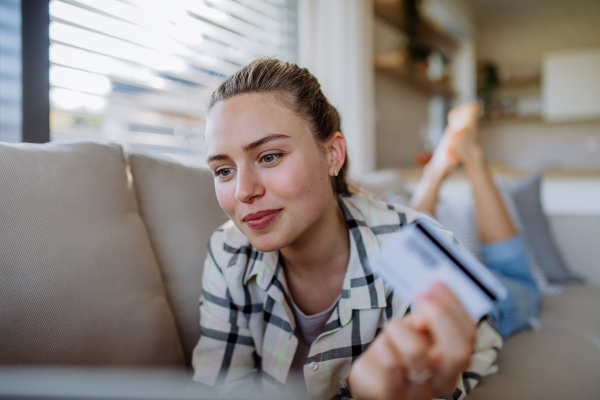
101,255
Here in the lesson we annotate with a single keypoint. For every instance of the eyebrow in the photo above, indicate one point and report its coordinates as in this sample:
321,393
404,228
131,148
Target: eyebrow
250,146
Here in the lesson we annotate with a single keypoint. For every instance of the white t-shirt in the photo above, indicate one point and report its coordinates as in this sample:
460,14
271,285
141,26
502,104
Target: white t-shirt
309,327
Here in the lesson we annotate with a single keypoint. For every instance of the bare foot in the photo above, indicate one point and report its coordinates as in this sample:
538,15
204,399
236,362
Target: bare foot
462,131
444,158
459,141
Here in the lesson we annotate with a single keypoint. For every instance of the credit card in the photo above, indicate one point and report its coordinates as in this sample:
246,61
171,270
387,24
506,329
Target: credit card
420,255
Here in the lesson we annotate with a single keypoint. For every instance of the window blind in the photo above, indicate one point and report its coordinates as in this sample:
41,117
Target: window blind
141,71
10,71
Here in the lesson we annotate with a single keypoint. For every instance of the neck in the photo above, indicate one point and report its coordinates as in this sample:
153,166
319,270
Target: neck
322,244
315,264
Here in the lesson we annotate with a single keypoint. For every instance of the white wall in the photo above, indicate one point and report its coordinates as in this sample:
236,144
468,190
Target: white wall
536,144
336,45
520,32
571,85
519,36
402,115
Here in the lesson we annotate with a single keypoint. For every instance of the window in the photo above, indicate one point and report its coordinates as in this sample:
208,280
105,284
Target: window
141,71
10,71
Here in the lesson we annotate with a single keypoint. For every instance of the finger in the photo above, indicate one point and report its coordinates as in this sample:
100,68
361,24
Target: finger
446,368
386,353
369,374
390,364
451,302
450,326
413,350
453,341
412,346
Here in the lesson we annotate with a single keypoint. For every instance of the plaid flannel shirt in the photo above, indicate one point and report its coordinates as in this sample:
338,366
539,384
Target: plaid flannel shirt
248,331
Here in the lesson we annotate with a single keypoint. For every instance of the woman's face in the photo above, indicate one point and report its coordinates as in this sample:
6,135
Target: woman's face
271,176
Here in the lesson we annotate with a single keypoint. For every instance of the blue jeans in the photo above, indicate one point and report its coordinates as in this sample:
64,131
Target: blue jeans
509,262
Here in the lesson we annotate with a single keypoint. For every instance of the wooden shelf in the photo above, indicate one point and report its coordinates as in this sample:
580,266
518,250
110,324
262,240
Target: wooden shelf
530,82
429,35
419,82
512,119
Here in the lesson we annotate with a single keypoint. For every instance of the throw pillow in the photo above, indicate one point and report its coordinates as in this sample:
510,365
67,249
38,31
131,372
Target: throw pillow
541,281
526,197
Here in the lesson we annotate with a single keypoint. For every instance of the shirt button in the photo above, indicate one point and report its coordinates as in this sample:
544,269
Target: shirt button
313,365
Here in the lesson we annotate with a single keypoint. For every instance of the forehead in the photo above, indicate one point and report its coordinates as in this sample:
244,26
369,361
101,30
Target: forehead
248,117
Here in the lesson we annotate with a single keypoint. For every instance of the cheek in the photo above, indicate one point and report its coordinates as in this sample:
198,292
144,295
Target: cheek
226,197
304,181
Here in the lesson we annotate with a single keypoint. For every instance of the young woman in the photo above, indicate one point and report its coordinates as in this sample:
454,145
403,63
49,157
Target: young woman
503,250
288,284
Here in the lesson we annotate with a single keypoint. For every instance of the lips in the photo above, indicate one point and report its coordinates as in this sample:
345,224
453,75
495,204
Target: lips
261,219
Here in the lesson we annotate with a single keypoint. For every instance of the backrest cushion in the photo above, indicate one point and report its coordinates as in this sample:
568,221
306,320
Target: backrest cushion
181,212
79,283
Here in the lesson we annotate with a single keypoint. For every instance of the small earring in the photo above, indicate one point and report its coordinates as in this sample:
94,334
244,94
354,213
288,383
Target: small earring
335,172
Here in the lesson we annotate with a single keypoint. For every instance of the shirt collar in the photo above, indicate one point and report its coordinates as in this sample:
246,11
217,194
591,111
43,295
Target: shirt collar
361,289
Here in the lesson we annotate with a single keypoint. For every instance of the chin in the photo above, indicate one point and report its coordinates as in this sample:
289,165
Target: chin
266,243
271,239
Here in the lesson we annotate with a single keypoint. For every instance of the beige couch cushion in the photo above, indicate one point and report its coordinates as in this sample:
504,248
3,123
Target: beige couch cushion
181,211
548,365
79,284
576,310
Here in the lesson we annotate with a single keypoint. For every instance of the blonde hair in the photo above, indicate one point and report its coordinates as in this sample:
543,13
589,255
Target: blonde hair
298,89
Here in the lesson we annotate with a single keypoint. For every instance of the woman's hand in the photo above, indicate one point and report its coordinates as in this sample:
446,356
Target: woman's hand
420,356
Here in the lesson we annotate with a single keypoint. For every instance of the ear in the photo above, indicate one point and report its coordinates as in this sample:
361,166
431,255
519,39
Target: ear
336,147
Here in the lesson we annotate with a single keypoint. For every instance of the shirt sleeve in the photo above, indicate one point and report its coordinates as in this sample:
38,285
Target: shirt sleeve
225,356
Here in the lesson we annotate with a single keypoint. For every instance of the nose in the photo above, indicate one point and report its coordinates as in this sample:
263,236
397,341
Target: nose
248,185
